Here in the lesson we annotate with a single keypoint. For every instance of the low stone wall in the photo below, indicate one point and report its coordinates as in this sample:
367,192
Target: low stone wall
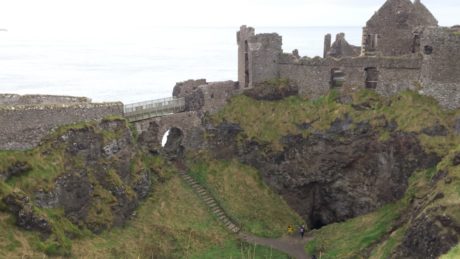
15,99
23,126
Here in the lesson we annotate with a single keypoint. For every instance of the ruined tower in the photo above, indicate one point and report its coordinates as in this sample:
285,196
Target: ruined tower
258,56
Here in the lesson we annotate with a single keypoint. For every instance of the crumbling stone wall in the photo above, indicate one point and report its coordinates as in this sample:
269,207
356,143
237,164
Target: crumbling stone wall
264,53
23,127
340,47
217,94
440,48
16,99
391,28
313,76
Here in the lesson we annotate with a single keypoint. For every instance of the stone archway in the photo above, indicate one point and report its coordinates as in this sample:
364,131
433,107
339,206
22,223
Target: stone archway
172,144
152,131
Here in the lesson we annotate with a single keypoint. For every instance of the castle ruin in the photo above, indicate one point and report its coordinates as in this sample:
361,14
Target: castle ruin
402,48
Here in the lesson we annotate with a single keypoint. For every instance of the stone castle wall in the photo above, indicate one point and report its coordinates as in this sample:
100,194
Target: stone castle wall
15,99
313,76
23,126
441,66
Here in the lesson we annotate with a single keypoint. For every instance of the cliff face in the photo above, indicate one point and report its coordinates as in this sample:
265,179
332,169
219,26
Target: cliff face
335,175
350,157
89,175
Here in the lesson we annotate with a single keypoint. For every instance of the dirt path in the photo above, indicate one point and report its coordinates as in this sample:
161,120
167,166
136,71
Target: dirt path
291,245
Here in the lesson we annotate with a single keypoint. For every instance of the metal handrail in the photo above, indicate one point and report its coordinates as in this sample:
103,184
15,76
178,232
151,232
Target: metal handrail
154,108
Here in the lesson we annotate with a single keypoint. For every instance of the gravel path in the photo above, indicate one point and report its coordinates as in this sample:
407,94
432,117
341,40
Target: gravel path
291,245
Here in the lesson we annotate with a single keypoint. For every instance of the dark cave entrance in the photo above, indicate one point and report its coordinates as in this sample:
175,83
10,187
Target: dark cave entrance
172,143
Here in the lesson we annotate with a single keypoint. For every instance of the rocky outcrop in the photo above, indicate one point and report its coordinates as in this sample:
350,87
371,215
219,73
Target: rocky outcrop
15,169
429,235
98,187
331,176
26,217
273,90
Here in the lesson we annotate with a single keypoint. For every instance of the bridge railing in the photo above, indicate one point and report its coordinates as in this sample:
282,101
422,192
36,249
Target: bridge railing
154,108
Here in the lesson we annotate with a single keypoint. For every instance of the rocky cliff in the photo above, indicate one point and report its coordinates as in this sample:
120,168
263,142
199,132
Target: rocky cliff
341,157
91,175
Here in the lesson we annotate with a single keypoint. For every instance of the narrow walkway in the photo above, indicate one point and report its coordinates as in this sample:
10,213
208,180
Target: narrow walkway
293,246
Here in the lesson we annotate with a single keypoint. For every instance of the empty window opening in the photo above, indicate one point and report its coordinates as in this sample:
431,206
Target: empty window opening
337,77
372,77
371,42
428,50
416,44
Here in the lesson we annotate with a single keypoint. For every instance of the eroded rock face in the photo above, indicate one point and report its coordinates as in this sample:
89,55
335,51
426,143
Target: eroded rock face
22,208
429,235
335,175
98,188
16,169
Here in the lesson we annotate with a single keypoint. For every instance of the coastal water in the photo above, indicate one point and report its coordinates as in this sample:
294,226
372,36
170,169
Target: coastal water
135,64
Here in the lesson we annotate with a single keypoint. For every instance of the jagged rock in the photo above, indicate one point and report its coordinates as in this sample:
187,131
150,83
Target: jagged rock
456,159
142,186
222,139
26,217
16,169
99,188
334,175
429,236
457,126
436,130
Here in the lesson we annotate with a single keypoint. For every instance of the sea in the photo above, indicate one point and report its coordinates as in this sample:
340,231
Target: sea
134,64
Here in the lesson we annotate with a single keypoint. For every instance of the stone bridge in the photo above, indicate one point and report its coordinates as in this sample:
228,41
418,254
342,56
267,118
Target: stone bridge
182,113
187,126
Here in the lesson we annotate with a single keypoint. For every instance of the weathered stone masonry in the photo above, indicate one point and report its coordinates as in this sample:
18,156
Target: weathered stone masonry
402,48
23,126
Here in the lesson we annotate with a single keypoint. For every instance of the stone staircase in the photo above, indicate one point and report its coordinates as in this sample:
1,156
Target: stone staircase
210,202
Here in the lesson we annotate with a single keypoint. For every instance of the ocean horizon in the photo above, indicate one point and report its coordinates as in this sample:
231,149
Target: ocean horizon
137,64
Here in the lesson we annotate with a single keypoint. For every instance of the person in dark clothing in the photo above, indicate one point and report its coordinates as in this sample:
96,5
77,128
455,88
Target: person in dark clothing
302,231
313,257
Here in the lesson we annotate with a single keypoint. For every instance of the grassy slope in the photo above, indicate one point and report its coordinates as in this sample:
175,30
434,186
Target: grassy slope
241,192
267,121
171,223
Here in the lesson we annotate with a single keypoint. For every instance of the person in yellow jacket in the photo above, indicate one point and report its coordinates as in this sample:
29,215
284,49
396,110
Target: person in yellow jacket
290,229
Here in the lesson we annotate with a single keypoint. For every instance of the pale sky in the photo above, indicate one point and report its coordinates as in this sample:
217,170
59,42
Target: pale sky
87,14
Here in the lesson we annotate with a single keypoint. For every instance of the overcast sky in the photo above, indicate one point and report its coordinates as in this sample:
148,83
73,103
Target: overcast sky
72,14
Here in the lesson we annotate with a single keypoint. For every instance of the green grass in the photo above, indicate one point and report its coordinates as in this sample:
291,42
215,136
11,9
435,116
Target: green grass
243,195
268,121
348,239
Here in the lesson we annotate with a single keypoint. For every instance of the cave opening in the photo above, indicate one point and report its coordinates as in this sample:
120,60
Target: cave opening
172,143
